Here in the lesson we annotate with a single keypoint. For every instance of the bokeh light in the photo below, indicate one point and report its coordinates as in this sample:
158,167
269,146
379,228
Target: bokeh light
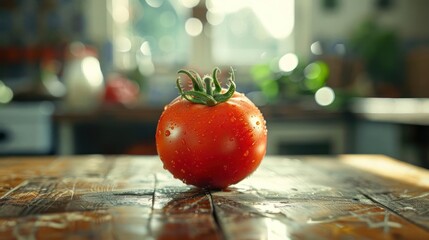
155,3
6,93
340,48
214,18
316,74
120,14
123,44
324,96
189,3
92,71
316,48
288,62
193,26
145,49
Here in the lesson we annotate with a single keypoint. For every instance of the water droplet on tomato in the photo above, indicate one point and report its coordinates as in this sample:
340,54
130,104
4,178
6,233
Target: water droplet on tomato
232,119
167,133
183,170
225,167
246,153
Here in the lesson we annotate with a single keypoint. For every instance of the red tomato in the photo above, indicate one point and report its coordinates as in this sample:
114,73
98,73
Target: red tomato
211,146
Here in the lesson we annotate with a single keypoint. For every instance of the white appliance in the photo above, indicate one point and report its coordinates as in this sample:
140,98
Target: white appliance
26,128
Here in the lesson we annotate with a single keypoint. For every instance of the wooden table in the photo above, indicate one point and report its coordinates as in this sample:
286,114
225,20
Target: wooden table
124,197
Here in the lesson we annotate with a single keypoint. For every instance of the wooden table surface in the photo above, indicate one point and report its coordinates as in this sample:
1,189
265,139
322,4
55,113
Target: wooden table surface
124,197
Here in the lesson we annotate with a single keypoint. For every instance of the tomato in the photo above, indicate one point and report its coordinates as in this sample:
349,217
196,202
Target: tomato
211,144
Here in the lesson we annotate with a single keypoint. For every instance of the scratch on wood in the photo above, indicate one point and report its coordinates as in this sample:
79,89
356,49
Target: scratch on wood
419,196
73,190
385,224
150,219
14,189
215,215
391,209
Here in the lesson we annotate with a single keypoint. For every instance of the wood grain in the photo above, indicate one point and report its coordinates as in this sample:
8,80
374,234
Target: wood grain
124,197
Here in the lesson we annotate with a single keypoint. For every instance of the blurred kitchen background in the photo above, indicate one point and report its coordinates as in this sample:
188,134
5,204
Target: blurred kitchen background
330,76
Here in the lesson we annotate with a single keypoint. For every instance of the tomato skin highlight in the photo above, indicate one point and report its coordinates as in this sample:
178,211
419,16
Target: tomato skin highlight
211,146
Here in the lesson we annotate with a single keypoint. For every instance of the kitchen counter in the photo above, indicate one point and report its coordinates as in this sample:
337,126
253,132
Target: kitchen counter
143,113
125,197
136,125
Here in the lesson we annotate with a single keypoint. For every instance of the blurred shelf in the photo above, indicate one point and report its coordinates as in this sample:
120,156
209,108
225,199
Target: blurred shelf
413,111
109,113
152,113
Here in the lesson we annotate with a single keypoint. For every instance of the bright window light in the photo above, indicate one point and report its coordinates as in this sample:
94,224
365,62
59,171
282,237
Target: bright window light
276,16
248,32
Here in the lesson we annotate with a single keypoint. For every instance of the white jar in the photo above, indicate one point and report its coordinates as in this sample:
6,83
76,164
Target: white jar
83,79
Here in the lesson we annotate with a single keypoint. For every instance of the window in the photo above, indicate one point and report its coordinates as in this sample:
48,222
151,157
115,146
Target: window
211,32
248,32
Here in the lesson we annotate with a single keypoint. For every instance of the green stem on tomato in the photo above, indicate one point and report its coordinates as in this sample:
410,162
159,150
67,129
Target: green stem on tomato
218,88
209,82
207,91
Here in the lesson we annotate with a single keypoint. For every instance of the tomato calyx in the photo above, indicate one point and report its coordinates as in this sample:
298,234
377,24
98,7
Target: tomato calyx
206,90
